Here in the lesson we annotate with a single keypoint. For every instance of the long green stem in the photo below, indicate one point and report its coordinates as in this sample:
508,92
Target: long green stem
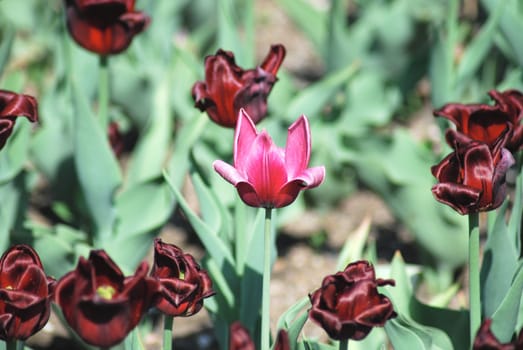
344,344
474,291
168,332
11,345
103,92
265,328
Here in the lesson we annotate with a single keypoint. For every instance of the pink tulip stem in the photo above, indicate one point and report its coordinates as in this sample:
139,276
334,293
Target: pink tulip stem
265,327
103,92
344,344
474,285
168,332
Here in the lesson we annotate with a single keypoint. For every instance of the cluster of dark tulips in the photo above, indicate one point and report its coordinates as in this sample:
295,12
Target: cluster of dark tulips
102,305
98,302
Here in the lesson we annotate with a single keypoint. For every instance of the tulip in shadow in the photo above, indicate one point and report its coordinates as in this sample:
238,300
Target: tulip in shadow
348,305
25,293
100,304
13,105
184,284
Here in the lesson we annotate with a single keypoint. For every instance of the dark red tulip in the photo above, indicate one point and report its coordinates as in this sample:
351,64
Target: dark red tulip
486,123
228,88
25,293
115,139
486,340
104,26
282,340
239,338
13,105
184,284
99,303
348,305
511,102
472,178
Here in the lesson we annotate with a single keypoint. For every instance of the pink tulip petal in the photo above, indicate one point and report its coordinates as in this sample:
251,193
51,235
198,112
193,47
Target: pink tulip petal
312,177
228,172
243,139
248,195
298,148
265,168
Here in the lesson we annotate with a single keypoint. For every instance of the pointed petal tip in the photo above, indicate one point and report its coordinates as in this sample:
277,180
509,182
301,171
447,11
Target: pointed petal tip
228,172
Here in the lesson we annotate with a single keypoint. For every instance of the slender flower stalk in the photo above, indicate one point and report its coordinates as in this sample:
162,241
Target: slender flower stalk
168,332
344,344
265,331
103,91
11,345
474,291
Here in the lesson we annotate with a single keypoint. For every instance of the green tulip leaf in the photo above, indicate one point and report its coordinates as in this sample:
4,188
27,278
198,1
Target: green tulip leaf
404,333
133,217
216,248
294,319
505,318
151,151
479,47
15,153
96,165
311,100
500,262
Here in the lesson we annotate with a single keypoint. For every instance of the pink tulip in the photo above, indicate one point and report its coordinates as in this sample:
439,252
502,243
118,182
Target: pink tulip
266,175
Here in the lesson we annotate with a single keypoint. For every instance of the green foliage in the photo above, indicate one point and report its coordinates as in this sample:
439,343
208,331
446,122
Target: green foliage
376,59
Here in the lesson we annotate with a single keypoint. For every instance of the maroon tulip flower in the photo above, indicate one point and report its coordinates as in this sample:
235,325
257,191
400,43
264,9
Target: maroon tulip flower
511,102
486,340
282,340
472,178
184,284
228,88
104,26
115,139
13,105
239,338
268,176
25,293
100,304
348,305
486,123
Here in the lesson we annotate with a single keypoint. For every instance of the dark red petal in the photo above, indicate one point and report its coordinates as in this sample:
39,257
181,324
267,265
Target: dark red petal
239,338
359,271
486,340
478,168
253,95
82,4
104,271
328,320
499,179
104,28
13,104
223,80
274,59
461,198
282,340
511,102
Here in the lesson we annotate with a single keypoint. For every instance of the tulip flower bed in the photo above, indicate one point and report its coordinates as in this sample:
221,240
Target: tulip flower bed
239,123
